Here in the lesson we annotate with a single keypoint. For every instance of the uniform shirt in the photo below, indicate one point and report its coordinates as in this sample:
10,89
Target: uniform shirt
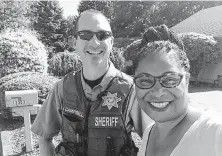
203,138
48,121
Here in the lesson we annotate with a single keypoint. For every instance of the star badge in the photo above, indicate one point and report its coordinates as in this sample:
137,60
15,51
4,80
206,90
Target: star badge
110,100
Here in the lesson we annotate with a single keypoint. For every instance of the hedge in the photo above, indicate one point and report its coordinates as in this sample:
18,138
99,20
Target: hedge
201,50
195,44
21,51
117,58
123,42
41,82
64,62
16,75
131,50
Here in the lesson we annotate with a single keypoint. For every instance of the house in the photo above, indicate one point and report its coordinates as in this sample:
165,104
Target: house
209,22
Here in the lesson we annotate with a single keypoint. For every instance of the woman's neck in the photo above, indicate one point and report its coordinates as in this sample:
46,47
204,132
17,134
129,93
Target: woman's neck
166,129
95,72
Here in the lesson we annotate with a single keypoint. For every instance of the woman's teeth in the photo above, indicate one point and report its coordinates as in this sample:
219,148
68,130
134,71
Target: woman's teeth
159,104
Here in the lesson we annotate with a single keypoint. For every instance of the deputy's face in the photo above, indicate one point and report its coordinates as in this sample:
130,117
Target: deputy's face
95,50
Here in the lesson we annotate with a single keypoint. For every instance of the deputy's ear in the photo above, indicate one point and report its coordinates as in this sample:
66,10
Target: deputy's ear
187,78
112,40
74,41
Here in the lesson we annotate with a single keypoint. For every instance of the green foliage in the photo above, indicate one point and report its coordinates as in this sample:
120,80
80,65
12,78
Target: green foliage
174,12
51,25
71,25
21,51
132,18
64,62
16,75
123,42
131,50
15,14
105,6
25,81
117,58
201,50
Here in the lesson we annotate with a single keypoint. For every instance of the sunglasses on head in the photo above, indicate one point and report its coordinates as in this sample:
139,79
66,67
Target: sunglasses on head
88,35
167,80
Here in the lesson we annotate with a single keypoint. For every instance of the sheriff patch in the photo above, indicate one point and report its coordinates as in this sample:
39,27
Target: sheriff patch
73,111
111,100
106,121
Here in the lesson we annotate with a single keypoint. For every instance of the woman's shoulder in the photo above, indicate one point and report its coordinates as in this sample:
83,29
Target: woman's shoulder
210,123
212,117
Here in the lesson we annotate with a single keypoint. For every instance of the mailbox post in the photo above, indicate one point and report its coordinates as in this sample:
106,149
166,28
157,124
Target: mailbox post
22,103
1,147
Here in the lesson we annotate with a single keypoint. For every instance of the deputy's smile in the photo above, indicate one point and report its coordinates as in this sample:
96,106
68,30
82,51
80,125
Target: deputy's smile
94,52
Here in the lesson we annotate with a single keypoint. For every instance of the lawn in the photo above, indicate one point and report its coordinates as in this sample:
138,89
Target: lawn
12,133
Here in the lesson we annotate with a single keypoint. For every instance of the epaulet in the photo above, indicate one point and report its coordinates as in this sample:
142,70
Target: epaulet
125,77
73,73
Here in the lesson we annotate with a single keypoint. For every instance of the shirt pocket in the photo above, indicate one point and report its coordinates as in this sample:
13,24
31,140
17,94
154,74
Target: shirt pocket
73,119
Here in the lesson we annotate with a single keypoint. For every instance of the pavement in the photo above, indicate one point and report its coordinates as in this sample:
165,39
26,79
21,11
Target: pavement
207,100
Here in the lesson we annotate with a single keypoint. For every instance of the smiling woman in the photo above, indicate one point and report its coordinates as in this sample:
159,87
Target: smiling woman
162,79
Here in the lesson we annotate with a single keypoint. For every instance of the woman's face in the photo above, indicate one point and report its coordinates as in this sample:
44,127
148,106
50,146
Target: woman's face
160,103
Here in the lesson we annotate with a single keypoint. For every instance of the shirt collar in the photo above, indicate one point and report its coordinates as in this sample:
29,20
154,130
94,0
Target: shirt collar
110,74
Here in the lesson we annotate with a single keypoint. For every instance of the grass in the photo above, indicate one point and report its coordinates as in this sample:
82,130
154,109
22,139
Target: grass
12,131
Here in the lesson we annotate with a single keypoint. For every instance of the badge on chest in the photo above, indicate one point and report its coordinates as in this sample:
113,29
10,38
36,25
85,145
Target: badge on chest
111,100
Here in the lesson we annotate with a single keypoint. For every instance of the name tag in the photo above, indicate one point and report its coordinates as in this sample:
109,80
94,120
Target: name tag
73,112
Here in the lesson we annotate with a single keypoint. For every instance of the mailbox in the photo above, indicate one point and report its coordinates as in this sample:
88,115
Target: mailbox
21,98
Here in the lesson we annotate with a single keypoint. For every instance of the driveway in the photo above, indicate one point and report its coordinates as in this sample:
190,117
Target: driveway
204,98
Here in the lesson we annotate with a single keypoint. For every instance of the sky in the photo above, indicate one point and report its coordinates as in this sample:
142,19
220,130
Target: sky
69,7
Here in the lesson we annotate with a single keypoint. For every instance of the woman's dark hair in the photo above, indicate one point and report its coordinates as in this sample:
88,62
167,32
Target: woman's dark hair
157,38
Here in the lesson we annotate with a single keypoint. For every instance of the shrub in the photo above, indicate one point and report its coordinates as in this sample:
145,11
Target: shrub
131,50
16,75
123,42
21,51
129,54
21,81
201,50
64,62
117,58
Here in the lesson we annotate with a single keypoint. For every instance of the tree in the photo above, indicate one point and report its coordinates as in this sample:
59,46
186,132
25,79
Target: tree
105,6
201,50
51,25
64,62
71,25
177,11
130,18
15,14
